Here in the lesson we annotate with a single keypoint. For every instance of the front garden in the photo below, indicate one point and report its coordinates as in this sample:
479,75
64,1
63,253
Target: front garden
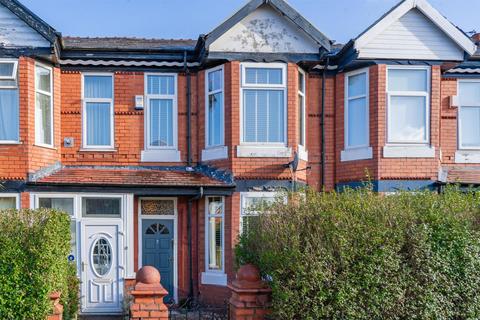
358,255
34,245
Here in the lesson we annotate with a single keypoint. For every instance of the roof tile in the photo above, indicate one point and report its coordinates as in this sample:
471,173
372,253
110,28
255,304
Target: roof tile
130,177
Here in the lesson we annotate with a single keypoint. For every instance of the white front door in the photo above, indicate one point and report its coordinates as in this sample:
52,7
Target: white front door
102,286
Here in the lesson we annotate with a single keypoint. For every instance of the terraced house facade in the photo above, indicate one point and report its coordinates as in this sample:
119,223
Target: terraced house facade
158,148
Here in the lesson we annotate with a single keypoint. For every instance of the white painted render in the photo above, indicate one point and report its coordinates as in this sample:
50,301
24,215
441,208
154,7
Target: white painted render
16,33
413,36
265,31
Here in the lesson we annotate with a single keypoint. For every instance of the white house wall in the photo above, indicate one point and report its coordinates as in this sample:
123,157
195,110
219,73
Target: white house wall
413,36
264,31
14,32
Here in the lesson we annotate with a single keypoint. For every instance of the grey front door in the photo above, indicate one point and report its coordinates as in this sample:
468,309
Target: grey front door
157,250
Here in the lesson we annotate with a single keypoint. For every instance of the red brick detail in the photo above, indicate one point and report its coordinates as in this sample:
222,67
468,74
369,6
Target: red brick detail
148,296
251,298
57,311
143,177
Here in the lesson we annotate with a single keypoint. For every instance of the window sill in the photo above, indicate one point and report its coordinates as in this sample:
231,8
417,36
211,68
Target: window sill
467,156
214,278
364,153
45,146
8,143
408,152
166,155
302,153
263,151
215,153
98,150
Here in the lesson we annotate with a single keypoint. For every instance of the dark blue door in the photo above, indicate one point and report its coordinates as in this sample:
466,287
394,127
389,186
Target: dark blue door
157,250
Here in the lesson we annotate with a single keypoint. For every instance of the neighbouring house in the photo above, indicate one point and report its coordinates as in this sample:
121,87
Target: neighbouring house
157,148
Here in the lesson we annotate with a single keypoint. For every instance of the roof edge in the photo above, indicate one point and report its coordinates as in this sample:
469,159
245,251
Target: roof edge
454,33
32,20
280,5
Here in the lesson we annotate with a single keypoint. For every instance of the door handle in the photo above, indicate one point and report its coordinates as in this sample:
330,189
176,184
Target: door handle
83,266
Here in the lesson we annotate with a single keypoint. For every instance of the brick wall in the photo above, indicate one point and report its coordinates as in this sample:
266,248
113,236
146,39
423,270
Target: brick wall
128,122
17,160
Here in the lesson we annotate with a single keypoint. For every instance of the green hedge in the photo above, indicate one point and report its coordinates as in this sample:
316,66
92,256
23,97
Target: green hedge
34,245
358,255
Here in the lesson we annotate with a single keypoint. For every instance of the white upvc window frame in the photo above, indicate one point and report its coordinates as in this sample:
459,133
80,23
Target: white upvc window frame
425,94
254,194
12,195
174,99
283,86
214,276
13,77
347,107
207,96
217,151
459,121
37,116
364,151
111,101
302,148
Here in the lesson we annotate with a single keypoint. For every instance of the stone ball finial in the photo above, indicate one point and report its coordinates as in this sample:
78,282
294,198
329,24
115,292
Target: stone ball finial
248,277
148,275
248,273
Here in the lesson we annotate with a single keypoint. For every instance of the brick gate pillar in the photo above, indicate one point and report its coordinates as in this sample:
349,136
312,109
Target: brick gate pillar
251,297
148,296
57,312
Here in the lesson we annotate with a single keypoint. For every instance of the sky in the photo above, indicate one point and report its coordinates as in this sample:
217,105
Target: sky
340,20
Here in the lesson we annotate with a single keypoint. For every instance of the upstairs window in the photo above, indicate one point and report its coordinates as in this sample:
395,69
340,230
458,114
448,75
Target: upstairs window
161,113
356,110
301,109
215,107
408,91
469,115
98,111
9,102
264,103
43,106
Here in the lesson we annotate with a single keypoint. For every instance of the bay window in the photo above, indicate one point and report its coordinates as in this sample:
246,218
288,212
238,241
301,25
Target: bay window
264,103
356,116
215,105
98,114
9,102
252,204
301,114
214,242
408,113
469,115
9,201
43,106
408,91
214,115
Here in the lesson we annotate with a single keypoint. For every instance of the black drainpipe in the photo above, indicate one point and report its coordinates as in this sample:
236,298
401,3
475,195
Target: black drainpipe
324,156
189,165
189,240
189,111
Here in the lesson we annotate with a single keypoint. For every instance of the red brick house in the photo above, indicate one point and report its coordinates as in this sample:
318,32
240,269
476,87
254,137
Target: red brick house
157,148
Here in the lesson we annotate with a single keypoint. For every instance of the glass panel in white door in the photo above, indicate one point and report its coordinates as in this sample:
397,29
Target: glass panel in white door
100,267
